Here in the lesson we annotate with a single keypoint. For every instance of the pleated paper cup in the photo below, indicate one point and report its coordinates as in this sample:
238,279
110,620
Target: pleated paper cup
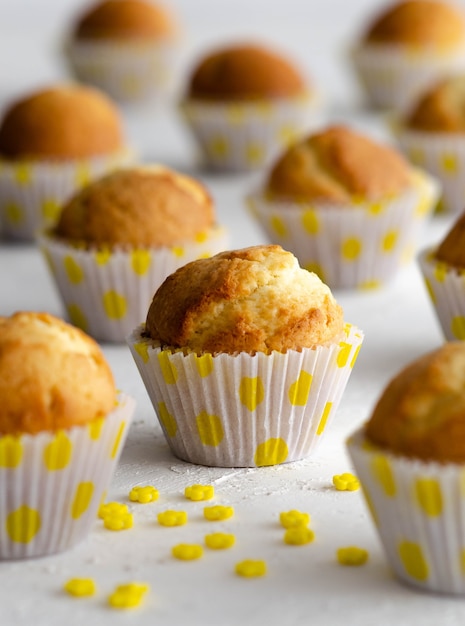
247,136
32,192
245,410
107,292
419,511
52,483
362,246
446,287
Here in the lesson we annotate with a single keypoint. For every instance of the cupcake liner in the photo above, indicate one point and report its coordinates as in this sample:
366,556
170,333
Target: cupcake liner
360,246
127,72
419,511
52,483
393,77
446,287
32,192
245,410
246,136
108,292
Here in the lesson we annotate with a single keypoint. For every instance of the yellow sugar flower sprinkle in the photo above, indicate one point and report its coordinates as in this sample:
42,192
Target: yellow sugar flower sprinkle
346,482
199,492
219,541
298,536
112,508
80,587
187,551
294,519
172,518
143,494
128,596
250,569
118,521
218,512
352,555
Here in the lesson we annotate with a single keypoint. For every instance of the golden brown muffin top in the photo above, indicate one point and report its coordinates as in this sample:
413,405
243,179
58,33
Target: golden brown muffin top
52,375
422,23
65,122
245,72
251,300
338,165
421,413
452,249
144,206
125,20
441,108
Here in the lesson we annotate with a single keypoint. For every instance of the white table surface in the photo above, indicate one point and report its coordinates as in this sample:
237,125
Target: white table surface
303,584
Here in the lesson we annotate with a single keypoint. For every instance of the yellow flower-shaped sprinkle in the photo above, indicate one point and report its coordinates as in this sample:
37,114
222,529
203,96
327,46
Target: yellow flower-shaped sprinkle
219,541
218,512
294,519
352,555
250,569
172,518
199,492
80,587
143,494
118,521
298,536
112,508
128,596
187,551
346,482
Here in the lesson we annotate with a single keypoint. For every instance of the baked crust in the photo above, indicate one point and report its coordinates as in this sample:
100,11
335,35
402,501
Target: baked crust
256,299
441,109
452,249
52,375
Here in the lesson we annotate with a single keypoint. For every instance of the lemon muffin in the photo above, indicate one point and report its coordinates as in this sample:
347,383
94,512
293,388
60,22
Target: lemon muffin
410,459
406,47
348,207
118,238
245,356
244,102
62,427
128,48
52,142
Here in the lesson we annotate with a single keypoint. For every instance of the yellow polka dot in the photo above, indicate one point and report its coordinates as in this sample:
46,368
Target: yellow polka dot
218,147
316,268
51,210
168,370
429,496
140,261
102,256
83,175
210,429
271,452
382,472
204,365
168,421
235,114
251,392
278,225
14,213
57,454
95,428
310,222
430,290
343,354
300,389
142,349
351,249
449,163
178,251
82,499
440,206
457,327
11,451
440,272
115,305
287,134
23,524
354,358
324,418
77,316
254,154
375,208
117,442
201,237
389,241
417,156
462,560
23,174
73,270
413,560
369,285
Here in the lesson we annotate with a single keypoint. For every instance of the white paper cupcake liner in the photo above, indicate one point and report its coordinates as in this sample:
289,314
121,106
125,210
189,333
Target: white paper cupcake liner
108,292
419,511
350,247
248,136
393,77
446,287
32,192
52,483
245,410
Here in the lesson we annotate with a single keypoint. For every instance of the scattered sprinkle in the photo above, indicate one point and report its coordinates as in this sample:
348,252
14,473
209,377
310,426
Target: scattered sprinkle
250,569
294,519
143,494
187,551
218,512
128,596
346,482
220,541
172,518
118,521
112,508
352,555
298,536
80,587
199,492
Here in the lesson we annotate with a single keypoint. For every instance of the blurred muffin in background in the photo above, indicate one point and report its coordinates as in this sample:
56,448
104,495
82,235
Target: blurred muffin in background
128,48
52,142
244,103
407,47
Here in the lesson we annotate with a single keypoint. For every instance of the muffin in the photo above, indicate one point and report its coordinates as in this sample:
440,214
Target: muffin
410,458
128,48
117,239
62,427
245,356
53,142
347,206
244,103
407,47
